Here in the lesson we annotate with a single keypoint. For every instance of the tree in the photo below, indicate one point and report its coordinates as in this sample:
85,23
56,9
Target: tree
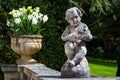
103,18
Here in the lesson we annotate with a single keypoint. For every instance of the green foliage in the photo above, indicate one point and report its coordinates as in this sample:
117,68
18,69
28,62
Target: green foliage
25,21
100,6
52,53
101,16
103,19
93,6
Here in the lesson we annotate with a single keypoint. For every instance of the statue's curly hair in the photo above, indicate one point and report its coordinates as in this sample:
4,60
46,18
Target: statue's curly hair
70,11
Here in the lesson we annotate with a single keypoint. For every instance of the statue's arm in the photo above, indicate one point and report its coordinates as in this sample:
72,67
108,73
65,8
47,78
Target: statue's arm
86,36
66,36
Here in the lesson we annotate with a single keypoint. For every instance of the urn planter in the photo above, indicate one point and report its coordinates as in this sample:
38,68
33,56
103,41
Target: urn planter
26,46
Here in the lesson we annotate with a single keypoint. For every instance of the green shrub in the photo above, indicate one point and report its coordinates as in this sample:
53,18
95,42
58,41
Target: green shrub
52,52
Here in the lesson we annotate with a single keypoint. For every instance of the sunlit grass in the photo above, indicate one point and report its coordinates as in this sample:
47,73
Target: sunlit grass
102,67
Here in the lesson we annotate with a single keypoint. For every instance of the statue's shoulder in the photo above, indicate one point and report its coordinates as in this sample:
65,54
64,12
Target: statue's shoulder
82,27
83,24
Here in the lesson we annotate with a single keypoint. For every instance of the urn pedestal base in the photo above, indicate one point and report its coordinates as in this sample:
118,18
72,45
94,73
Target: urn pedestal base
26,60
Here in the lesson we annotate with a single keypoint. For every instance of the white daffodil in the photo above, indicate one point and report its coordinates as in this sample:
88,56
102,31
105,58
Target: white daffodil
34,21
45,18
8,23
40,15
17,20
21,11
16,13
11,12
30,17
35,14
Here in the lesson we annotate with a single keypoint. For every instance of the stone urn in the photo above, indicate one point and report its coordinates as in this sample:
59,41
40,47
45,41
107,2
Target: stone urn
26,46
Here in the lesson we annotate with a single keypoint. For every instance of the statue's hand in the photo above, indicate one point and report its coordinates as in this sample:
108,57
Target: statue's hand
78,41
72,63
72,37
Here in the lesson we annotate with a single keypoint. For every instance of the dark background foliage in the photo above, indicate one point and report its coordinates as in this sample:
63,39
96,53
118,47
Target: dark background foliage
102,19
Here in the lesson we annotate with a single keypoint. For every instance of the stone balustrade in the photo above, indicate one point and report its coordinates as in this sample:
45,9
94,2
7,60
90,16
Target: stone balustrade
39,72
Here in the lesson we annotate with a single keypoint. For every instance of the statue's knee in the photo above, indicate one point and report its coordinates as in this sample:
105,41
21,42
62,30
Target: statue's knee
69,45
83,50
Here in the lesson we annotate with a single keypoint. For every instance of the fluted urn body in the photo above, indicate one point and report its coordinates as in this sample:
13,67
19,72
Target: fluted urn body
26,46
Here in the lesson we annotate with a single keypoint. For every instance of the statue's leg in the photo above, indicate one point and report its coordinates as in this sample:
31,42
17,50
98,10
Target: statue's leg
81,69
80,54
66,68
69,50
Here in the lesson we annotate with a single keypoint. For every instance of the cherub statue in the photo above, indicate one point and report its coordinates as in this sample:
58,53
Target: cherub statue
75,36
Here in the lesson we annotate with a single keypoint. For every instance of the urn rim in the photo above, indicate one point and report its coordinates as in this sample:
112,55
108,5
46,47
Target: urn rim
26,36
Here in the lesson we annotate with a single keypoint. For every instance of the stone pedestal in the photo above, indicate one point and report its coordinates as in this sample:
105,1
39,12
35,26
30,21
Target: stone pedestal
10,72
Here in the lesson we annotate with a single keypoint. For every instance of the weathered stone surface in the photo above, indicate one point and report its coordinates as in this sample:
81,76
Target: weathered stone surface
56,78
75,36
10,72
40,72
26,46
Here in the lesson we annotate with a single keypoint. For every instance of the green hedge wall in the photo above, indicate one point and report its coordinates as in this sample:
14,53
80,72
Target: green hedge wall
52,52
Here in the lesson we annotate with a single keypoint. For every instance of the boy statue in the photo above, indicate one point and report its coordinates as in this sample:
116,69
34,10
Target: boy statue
75,36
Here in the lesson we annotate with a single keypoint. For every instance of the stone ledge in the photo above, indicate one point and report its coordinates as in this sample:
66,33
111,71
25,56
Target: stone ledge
8,67
39,72
54,78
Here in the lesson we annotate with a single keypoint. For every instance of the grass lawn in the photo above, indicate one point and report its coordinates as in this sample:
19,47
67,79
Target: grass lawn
102,67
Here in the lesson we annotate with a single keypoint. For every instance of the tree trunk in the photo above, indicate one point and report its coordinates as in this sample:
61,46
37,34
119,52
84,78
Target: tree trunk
107,49
118,71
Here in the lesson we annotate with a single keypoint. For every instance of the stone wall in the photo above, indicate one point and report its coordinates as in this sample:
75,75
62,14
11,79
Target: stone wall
10,72
39,72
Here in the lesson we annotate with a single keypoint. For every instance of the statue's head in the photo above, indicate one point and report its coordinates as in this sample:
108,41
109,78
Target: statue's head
73,16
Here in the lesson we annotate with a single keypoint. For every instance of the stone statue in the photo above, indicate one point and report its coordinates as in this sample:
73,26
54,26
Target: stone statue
75,36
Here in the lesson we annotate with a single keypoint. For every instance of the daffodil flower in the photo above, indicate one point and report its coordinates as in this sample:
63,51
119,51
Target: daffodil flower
45,18
26,20
17,20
